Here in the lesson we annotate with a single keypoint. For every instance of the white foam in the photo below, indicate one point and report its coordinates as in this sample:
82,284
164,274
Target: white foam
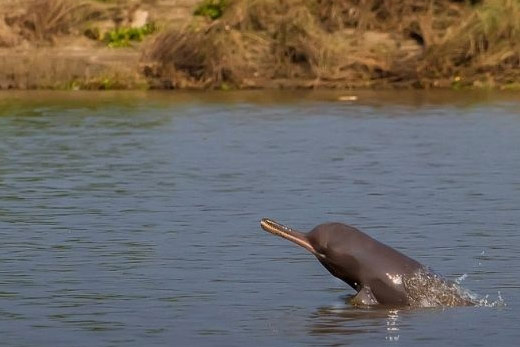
461,278
486,302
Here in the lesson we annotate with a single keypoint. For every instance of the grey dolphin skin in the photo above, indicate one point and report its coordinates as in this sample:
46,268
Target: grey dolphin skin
376,271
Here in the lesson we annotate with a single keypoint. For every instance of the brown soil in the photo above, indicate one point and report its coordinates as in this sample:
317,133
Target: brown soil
73,67
38,52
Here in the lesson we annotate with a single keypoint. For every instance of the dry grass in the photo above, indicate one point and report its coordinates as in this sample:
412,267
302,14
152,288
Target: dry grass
45,19
38,21
309,43
7,37
485,43
345,43
200,58
272,40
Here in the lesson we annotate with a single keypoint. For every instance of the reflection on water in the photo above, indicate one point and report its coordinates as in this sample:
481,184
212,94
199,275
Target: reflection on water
133,219
347,320
392,325
32,103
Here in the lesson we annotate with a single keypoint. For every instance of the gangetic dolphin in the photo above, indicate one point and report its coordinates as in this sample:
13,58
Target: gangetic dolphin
378,273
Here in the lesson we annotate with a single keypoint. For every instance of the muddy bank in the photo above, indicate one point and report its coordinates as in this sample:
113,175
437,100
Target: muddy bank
70,69
245,44
81,44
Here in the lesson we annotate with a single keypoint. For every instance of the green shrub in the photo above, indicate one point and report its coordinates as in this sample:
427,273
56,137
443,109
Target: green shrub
122,37
211,8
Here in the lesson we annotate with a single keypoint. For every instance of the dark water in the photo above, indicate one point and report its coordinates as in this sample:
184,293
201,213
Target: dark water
133,219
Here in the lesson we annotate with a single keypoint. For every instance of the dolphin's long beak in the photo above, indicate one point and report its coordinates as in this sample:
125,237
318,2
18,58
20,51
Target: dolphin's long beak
287,233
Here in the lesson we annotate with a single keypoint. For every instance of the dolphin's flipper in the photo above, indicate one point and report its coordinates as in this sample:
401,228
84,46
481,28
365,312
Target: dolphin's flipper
364,297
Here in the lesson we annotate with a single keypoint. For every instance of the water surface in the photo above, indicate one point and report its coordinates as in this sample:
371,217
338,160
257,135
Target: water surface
133,219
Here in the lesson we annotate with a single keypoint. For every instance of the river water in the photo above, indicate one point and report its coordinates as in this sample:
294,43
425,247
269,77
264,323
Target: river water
132,219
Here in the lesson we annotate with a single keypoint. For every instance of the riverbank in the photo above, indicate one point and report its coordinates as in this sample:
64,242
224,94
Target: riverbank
85,44
241,44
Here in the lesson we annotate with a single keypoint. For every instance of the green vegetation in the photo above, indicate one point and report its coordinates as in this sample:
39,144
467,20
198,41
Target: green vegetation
212,8
123,37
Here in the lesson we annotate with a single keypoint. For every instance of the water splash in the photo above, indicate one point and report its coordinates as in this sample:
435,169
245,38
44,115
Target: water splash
427,289
461,278
480,257
487,302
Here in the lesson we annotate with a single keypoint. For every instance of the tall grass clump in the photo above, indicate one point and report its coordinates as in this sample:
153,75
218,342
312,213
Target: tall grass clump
342,43
46,19
487,41
256,42
8,38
